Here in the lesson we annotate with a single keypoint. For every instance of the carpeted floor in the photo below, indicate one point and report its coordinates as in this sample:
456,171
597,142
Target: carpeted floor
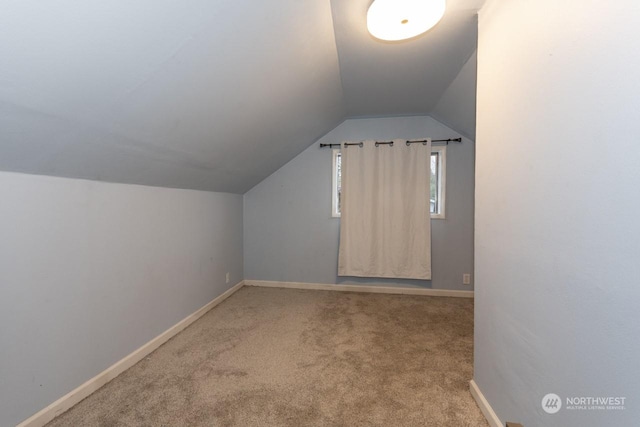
285,357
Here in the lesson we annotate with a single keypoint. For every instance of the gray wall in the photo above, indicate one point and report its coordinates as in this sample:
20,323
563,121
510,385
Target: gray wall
289,232
91,271
557,208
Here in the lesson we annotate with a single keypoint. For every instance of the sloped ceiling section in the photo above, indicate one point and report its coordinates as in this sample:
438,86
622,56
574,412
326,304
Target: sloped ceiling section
210,95
457,105
401,78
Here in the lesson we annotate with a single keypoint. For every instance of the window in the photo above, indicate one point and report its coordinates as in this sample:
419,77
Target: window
438,178
337,184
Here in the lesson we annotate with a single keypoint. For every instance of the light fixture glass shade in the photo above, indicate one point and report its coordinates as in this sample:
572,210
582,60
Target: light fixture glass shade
403,19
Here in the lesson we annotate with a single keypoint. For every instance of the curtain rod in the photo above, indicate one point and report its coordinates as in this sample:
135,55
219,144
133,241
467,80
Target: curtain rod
413,141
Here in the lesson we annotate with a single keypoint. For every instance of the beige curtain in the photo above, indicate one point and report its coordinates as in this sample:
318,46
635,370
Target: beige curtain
385,226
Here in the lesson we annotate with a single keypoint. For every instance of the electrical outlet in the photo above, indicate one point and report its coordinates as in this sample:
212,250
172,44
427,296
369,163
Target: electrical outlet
466,279
227,278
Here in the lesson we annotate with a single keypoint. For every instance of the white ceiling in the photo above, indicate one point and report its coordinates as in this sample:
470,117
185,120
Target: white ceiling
200,94
392,78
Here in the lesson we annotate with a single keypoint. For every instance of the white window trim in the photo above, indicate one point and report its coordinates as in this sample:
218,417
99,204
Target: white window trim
442,157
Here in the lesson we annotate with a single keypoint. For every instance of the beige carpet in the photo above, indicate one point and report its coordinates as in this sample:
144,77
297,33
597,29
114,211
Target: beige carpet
285,357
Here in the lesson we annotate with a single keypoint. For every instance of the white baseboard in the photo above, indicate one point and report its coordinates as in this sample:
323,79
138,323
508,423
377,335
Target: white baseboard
486,409
69,400
360,288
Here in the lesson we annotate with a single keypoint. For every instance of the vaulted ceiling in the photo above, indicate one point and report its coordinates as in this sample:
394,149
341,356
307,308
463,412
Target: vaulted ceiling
208,95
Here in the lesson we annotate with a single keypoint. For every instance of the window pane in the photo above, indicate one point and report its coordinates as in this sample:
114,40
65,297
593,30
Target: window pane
338,180
434,183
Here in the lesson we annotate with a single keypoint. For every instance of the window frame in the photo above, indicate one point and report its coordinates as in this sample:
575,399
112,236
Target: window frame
442,187
334,184
442,168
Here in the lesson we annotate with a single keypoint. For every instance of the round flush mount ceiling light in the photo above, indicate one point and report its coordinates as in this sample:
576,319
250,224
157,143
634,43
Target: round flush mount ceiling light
403,19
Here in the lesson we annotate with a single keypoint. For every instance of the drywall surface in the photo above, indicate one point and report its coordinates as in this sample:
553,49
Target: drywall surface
289,232
557,207
91,271
207,95
457,106
384,79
